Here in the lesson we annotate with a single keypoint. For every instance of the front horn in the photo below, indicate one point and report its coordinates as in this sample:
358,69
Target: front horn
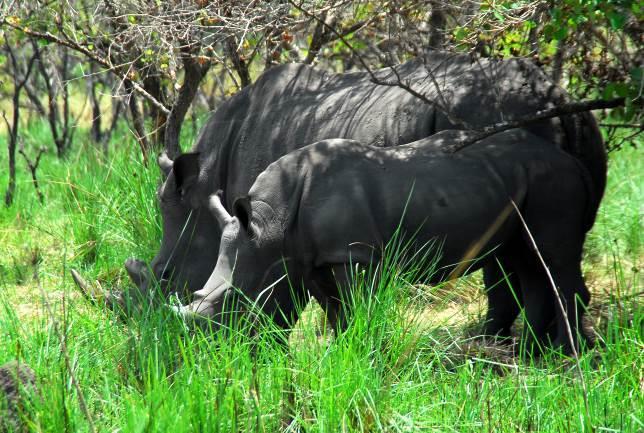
218,210
165,163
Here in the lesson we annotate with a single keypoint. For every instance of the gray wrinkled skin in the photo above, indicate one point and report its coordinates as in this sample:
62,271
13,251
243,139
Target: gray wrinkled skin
334,203
292,105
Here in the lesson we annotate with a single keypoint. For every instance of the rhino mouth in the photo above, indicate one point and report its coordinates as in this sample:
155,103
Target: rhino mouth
152,283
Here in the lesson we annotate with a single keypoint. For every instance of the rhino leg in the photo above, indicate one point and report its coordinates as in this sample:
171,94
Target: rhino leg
332,291
575,297
539,305
503,290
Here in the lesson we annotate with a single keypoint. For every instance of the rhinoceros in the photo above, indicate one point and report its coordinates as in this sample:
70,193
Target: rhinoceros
333,204
294,104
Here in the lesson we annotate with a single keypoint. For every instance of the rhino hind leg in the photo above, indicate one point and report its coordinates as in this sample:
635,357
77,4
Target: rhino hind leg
539,305
503,290
575,297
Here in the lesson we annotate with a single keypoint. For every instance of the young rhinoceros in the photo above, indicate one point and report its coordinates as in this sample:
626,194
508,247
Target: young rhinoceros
337,202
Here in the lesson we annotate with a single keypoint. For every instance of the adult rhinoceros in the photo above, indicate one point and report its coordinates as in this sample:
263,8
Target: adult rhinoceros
294,104
327,207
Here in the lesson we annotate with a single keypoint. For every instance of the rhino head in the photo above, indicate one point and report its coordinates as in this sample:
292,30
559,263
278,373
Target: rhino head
189,245
250,269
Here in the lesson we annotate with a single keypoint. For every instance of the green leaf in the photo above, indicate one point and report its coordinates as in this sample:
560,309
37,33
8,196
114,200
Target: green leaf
560,33
460,34
616,19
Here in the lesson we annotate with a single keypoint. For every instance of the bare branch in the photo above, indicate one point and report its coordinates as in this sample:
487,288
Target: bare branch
33,168
47,36
560,110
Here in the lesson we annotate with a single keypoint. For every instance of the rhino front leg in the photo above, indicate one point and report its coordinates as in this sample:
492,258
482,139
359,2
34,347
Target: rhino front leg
332,289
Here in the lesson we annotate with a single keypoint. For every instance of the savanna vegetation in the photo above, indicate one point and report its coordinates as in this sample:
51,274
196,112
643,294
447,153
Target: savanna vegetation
91,91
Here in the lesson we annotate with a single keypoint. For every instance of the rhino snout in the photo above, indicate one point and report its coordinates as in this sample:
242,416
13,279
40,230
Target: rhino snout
138,271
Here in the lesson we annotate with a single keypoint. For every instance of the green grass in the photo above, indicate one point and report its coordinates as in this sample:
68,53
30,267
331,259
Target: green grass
407,363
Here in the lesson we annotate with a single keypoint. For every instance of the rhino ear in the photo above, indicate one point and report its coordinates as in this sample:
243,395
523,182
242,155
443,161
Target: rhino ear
186,171
242,210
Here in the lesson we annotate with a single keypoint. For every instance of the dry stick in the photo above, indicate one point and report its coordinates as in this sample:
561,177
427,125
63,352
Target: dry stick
562,310
68,364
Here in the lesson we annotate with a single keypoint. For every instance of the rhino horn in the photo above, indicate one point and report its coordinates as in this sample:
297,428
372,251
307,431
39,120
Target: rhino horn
165,163
85,288
218,210
95,295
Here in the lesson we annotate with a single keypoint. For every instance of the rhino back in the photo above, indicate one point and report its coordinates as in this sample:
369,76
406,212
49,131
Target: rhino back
335,194
293,105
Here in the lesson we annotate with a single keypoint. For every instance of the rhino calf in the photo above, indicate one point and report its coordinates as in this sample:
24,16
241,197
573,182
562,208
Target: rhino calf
337,202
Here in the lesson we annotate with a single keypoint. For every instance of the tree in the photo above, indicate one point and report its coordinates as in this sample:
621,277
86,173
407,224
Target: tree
161,53
22,64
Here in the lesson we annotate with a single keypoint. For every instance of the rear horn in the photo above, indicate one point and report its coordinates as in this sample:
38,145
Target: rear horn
218,210
165,163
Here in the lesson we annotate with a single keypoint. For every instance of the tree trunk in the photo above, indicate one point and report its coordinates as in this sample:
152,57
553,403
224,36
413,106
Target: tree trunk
12,130
317,40
117,106
12,136
137,122
558,62
239,64
152,84
50,72
193,74
437,23
92,83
